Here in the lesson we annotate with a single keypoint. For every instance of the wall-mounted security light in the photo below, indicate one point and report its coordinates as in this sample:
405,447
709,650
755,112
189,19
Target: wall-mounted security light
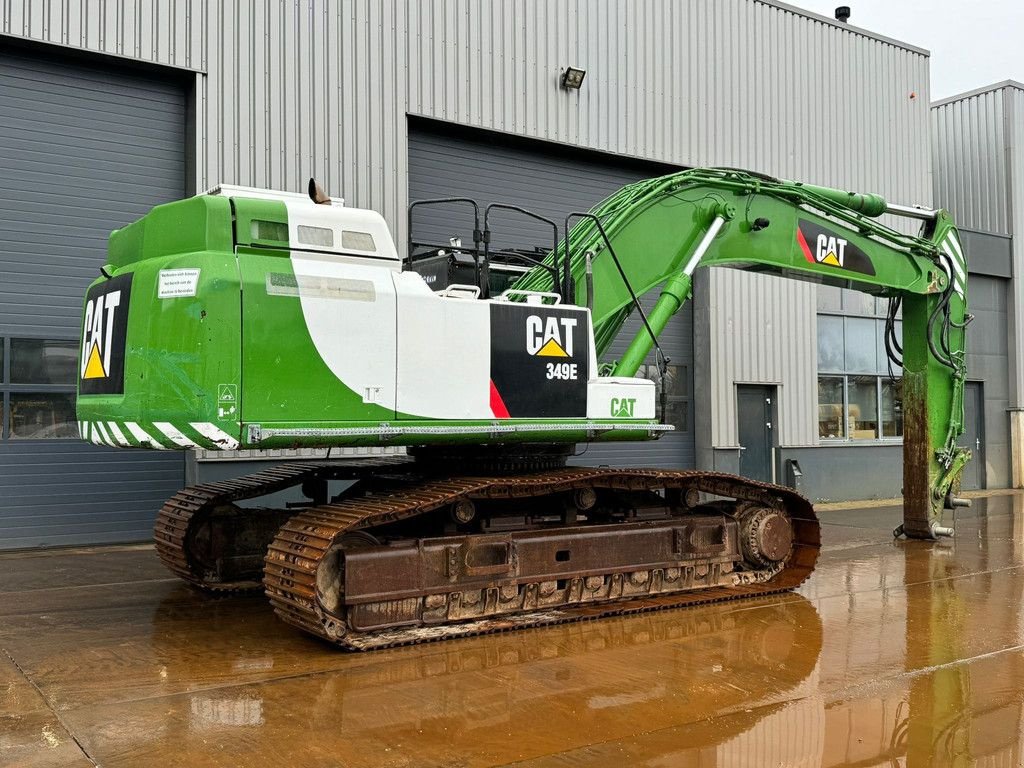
573,78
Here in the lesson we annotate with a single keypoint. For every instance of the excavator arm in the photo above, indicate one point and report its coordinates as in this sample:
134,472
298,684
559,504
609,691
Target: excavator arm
658,232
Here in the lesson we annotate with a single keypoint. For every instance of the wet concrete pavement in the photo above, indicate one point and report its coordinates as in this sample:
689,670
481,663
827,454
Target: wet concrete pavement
893,653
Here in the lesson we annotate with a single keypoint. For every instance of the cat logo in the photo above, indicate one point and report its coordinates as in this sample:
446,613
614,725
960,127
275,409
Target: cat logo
623,407
830,250
549,336
98,334
103,337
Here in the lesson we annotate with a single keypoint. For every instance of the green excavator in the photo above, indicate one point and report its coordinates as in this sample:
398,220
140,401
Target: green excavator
253,319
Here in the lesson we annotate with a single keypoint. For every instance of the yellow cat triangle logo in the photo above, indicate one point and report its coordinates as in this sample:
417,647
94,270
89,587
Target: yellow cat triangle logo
831,258
94,368
551,349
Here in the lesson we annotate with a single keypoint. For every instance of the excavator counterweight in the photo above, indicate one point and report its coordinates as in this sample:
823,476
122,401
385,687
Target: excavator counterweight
251,319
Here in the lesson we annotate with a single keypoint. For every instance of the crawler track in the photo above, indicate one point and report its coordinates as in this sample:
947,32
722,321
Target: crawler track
301,544
301,549
183,516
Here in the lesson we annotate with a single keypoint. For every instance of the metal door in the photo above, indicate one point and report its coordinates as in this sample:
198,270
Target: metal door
755,417
84,148
973,437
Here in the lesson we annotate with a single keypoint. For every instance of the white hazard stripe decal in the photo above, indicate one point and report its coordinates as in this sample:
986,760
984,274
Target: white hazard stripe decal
117,434
216,435
99,434
951,247
959,278
143,438
174,434
955,242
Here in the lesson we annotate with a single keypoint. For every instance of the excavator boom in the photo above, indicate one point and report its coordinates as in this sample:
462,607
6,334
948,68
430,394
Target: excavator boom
730,218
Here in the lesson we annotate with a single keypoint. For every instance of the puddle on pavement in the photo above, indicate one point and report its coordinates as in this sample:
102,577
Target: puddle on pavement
896,653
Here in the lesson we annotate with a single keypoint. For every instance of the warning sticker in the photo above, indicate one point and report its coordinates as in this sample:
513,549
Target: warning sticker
227,400
175,283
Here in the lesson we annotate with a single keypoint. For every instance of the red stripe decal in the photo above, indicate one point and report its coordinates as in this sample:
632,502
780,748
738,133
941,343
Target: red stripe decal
497,404
803,244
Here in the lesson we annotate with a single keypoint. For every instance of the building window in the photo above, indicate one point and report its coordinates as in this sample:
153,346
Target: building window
859,407
857,398
862,407
892,408
677,388
831,407
37,382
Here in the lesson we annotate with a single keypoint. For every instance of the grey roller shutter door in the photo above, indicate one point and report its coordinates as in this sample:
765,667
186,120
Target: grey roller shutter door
445,161
84,149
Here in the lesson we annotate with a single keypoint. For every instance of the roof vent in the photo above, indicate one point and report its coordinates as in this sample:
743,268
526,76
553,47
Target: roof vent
843,13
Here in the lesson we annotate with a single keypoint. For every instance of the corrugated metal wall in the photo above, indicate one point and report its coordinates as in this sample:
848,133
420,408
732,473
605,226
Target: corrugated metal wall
315,87
978,156
969,160
763,331
1015,160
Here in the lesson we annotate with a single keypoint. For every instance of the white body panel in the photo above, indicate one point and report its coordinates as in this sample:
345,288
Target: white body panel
444,347
348,231
612,396
353,331
391,339
233,190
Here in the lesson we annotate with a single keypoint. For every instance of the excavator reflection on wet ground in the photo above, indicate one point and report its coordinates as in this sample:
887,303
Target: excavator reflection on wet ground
892,653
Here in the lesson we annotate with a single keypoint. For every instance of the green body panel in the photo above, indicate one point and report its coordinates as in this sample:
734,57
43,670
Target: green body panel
186,347
195,225
176,352
261,223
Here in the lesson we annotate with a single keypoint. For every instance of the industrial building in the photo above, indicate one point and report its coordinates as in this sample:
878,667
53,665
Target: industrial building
977,146
109,109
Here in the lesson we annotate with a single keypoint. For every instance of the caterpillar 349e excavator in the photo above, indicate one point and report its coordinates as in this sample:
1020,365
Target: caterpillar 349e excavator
247,319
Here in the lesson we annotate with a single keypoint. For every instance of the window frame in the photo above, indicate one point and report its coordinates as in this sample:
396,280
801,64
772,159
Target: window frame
879,437
7,388
650,372
847,313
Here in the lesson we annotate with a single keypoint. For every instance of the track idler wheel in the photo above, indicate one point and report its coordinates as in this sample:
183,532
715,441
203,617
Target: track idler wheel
766,535
330,579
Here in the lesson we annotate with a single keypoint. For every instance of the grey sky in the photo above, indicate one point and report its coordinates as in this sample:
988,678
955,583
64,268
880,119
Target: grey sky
973,43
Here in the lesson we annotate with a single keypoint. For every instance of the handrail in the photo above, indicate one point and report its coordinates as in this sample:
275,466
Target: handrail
532,215
477,235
